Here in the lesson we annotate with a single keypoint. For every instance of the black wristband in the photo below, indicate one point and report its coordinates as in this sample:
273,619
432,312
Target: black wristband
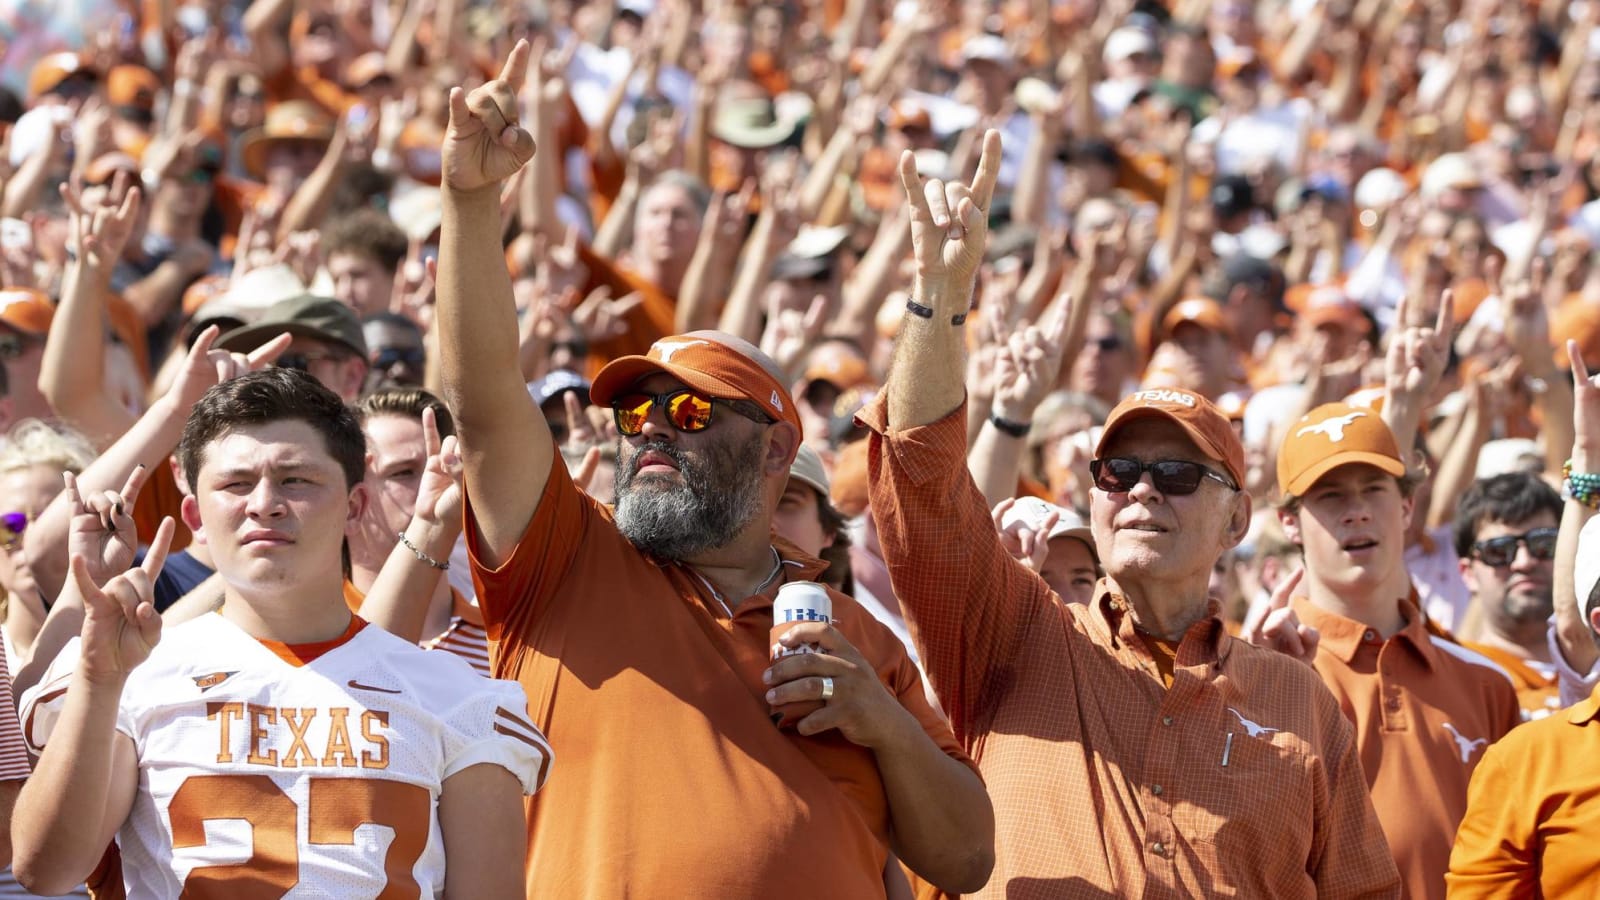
1015,429
926,312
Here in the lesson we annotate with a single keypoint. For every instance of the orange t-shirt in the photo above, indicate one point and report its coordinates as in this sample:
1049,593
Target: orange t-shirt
160,497
1104,782
674,781
1424,708
648,322
1538,693
1531,812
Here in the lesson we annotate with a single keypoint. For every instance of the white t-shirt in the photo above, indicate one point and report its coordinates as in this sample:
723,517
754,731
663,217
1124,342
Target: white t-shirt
321,776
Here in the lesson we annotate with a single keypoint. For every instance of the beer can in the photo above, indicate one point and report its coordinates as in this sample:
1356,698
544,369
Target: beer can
797,602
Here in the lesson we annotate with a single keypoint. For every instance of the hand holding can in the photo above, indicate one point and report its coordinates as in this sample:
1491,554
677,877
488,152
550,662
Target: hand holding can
797,602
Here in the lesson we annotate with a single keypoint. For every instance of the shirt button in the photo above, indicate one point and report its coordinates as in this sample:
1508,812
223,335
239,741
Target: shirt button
1157,789
1370,635
1166,720
1159,848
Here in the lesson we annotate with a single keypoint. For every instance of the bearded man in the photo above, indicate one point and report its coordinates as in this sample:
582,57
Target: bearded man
643,633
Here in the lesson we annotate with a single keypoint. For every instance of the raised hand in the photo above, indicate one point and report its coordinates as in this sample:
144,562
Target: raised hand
1585,413
439,498
1527,322
1028,366
600,318
791,332
205,368
1028,543
120,622
484,142
950,228
1418,354
1276,627
101,529
860,707
99,232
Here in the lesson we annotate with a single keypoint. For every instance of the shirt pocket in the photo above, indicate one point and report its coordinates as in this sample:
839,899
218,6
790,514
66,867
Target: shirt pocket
1247,793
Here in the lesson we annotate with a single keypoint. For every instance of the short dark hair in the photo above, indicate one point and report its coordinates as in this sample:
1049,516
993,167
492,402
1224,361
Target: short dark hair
407,403
1510,498
366,232
273,395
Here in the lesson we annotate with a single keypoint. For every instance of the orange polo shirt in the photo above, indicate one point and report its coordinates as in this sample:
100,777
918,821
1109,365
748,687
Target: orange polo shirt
1538,693
1532,813
675,782
1424,708
1241,779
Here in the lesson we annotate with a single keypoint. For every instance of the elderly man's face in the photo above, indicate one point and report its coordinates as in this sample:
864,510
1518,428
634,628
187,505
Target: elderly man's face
1145,536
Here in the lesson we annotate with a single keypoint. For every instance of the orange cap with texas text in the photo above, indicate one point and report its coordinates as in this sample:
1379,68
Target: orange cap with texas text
1200,420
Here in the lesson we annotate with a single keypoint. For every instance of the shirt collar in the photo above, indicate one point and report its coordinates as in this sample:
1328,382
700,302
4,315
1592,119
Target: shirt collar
1344,637
1203,644
1585,711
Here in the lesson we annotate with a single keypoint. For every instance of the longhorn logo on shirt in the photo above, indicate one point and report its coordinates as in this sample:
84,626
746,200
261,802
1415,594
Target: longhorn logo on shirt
1333,426
668,348
206,682
1463,744
1251,728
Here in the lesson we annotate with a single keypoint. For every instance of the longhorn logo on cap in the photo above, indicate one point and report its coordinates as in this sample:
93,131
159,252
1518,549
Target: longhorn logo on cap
668,348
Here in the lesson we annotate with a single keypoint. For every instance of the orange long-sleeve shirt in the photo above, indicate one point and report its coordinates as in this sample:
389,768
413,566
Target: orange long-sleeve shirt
1241,779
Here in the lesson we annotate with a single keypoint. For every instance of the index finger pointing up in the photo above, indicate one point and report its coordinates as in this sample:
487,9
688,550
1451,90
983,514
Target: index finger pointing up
988,171
1580,371
515,71
1447,314
156,556
911,181
135,482
75,500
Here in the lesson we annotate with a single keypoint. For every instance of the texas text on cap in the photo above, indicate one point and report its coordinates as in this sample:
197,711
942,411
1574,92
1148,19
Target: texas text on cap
717,364
1204,424
1334,435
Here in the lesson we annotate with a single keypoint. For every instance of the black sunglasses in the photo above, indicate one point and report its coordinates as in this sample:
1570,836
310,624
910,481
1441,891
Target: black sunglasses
1108,344
388,356
1170,476
1502,551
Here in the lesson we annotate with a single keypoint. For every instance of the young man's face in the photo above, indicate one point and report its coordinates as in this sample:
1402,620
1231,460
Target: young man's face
396,457
361,282
1069,569
1519,592
1352,526
273,505
799,521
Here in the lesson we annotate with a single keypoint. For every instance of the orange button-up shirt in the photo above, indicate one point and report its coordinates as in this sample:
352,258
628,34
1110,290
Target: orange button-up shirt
1533,811
674,782
1240,780
1538,691
1424,709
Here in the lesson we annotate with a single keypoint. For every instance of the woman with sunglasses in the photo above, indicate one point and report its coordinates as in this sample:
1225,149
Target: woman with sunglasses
31,462
1424,707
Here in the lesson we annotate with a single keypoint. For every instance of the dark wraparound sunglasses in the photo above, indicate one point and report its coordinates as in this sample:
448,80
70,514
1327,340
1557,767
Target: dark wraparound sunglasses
1502,551
686,410
1170,476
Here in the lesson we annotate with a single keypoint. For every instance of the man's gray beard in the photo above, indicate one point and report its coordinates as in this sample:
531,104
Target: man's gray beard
719,496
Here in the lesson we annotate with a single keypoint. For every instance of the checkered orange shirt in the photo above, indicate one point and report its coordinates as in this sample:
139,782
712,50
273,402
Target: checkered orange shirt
1240,780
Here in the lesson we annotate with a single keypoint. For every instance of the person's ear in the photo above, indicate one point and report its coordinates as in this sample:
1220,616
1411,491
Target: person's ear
189,511
781,449
1289,521
356,506
1408,507
1238,521
1468,575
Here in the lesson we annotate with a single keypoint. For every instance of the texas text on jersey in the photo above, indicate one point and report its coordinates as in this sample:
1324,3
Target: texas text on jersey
314,770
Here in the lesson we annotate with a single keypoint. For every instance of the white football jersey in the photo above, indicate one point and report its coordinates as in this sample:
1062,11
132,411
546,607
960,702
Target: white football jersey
262,775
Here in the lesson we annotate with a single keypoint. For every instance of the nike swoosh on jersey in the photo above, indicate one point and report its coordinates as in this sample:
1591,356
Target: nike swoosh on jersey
367,687
206,682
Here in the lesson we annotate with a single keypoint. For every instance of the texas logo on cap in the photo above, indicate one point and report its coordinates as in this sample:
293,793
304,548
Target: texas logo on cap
1334,435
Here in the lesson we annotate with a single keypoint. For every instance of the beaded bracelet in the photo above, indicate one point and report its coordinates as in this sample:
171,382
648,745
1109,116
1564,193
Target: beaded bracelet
1583,487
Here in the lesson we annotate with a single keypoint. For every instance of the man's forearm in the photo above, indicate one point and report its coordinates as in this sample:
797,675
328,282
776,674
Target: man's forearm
1573,635
940,815
927,377
59,830
477,317
398,599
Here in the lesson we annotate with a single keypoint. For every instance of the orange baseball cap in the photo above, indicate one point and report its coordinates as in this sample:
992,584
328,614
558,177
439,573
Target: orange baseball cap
837,366
717,364
49,72
1202,311
135,86
26,310
106,166
1329,305
1334,435
1577,321
1204,424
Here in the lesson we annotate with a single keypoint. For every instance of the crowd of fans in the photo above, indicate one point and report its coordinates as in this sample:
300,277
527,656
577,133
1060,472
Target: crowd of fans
1348,249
